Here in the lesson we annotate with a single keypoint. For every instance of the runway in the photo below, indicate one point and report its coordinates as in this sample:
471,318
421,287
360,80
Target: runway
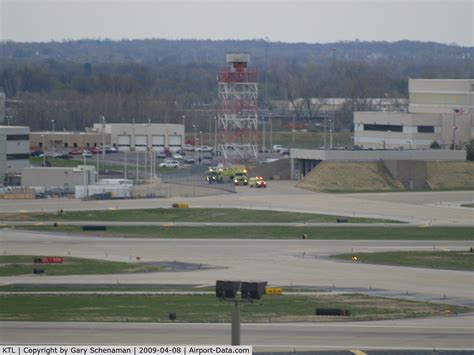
426,334
280,262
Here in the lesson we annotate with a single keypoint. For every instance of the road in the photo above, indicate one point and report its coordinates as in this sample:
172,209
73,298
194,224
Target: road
427,333
416,207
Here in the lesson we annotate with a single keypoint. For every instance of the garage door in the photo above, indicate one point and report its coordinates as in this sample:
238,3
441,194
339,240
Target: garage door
175,142
140,142
158,142
123,142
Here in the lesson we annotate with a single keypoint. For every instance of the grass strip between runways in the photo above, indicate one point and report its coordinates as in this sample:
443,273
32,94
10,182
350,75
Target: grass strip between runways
206,308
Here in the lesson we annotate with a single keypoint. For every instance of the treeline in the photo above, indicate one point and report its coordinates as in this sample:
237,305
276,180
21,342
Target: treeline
74,82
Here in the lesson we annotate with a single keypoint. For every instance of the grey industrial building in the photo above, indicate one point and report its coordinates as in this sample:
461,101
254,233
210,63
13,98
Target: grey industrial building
14,152
440,110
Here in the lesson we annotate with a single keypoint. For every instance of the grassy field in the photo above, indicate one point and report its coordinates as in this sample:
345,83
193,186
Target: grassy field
301,139
451,175
350,176
206,308
23,264
186,215
454,260
216,232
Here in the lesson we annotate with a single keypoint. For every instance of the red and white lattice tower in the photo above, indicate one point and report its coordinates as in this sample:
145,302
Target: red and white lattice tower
238,109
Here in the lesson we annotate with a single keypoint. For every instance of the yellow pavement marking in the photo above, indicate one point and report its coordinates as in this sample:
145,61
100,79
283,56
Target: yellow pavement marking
112,209
300,225
424,226
357,352
23,211
168,225
39,224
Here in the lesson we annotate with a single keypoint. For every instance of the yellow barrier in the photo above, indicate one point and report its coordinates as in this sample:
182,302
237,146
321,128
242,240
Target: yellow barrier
273,291
180,205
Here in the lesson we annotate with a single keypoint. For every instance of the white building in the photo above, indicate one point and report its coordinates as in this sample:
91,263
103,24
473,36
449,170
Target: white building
440,111
143,136
14,150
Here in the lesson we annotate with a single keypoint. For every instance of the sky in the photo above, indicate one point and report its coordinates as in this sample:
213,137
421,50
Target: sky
310,21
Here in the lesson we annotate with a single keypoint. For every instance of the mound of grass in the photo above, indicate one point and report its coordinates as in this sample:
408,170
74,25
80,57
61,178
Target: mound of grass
455,260
206,308
350,177
451,175
24,264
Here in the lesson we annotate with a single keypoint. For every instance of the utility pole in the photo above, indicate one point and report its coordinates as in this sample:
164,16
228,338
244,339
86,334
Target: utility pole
125,166
215,135
195,142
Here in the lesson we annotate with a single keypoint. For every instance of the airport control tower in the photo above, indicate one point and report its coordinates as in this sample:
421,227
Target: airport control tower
237,110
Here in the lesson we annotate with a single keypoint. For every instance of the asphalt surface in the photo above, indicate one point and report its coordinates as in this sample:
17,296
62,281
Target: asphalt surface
414,334
280,262
417,207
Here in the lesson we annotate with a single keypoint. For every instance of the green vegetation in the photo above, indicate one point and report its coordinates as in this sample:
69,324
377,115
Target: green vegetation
350,177
102,287
206,308
469,205
456,260
264,232
24,264
187,215
451,175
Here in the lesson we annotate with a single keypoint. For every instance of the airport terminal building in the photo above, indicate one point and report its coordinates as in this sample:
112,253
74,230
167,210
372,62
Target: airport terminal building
440,110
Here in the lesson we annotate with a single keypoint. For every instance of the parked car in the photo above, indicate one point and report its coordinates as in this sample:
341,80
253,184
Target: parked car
161,155
169,164
177,156
75,151
188,160
64,156
87,154
188,148
36,153
204,148
109,149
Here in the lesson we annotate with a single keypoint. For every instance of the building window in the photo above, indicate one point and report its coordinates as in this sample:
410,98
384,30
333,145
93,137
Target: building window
383,127
426,129
40,144
18,156
74,145
66,144
18,137
95,144
88,145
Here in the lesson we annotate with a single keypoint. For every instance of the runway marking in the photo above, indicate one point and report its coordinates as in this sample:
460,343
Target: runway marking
23,211
424,226
39,224
357,352
168,225
112,209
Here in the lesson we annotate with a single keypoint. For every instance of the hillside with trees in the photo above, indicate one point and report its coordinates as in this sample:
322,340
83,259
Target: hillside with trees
74,82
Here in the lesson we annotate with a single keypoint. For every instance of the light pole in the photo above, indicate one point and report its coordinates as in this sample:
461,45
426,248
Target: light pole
271,132
200,145
195,141
330,132
325,128
388,139
52,123
454,128
44,151
215,134
263,138
102,120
